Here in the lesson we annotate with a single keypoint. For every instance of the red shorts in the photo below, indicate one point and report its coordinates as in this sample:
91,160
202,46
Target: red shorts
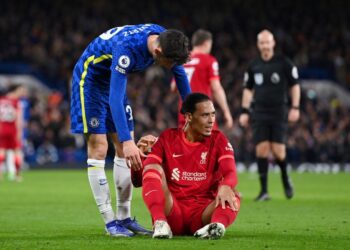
9,142
185,217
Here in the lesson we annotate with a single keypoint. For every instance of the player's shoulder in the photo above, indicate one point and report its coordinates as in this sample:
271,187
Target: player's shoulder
151,28
217,135
283,59
170,133
254,62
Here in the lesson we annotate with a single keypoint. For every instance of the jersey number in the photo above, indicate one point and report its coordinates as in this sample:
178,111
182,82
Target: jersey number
128,111
110,33
189,72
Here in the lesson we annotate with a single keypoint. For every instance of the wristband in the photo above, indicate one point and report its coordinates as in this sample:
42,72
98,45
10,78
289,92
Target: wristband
245,111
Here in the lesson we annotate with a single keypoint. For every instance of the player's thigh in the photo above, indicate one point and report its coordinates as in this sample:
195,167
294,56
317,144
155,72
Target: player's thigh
97,146
262,149
261,132
90,112
279,150
279,132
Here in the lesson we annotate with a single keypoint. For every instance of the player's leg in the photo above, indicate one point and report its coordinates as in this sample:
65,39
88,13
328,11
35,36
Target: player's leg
279,151
10,164
89,103
18,164
158,199
216,220
261,139
123,185
2,161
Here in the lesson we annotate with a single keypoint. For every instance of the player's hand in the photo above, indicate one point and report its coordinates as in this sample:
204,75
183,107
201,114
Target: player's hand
226,194
244,120
146,142
293,115
228,121
132,155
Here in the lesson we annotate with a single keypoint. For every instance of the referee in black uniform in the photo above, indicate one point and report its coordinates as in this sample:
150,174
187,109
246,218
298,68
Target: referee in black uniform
268,81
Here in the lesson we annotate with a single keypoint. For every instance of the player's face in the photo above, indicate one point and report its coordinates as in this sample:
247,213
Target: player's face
164,62
161,60
202,120
266,43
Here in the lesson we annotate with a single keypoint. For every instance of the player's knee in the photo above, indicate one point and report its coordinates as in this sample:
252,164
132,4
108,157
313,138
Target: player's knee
262,150
153,168
97,148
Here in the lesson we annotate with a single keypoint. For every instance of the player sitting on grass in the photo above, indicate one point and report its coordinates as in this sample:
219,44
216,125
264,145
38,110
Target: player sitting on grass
189,177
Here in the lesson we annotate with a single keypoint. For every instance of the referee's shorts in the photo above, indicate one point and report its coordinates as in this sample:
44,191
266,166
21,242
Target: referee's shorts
269,131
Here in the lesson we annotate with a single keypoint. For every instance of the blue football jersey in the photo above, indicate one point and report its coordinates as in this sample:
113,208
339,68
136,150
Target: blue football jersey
110,57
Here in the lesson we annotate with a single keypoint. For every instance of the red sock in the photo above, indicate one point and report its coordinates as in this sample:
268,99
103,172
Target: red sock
153,194
225,216
18,163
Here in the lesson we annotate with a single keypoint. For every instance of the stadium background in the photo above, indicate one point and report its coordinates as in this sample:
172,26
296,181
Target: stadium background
43,40
54,209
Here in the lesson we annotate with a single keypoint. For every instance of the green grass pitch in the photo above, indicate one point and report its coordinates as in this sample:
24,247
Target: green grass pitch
55,210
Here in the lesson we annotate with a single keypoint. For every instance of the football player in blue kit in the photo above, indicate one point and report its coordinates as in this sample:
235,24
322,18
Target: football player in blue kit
100,108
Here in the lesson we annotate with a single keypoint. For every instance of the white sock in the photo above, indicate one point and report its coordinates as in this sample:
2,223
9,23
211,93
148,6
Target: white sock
10,163
122,181
100,189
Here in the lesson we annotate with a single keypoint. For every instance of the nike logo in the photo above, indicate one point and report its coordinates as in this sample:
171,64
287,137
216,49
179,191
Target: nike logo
175,155
146,194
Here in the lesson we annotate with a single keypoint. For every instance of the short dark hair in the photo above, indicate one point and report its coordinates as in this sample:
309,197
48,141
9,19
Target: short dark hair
200,36
175,46
189,104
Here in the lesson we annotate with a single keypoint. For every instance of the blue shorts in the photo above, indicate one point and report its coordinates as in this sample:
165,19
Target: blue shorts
90,111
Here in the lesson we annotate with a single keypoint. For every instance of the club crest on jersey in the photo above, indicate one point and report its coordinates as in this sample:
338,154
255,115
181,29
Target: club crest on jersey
94,122
258,78
275,78
229,147
124,61
203,158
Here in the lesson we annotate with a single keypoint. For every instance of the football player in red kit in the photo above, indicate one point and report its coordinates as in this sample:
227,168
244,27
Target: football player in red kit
11,127
190,175
203,74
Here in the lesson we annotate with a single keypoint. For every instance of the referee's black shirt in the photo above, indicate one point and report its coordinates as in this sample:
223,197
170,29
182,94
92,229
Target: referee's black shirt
270,81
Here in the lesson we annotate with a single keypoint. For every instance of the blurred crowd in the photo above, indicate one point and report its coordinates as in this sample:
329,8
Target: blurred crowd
51,35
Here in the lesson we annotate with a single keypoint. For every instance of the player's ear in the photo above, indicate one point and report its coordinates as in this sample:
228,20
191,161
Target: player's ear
158,51
188,117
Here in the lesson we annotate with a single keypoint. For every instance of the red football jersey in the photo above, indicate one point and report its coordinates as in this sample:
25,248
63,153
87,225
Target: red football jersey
200,70
191,169
8,115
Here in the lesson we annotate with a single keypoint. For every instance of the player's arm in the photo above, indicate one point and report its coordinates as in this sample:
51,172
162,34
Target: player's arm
227,168
247,97
294,91
19,124
220,98
181,80
121,64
